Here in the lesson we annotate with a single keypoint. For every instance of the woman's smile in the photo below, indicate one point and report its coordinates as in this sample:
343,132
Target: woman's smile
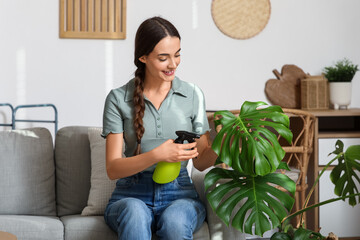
169,73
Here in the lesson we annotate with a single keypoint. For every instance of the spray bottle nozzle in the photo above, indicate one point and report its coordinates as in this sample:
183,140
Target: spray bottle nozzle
184,135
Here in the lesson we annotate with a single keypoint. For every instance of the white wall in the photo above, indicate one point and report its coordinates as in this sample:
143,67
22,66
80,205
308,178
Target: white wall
75,75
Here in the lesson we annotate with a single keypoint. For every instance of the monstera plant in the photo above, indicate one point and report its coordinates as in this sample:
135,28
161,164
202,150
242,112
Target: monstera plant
248,144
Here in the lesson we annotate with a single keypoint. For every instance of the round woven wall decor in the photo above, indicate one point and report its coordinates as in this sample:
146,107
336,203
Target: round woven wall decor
241,19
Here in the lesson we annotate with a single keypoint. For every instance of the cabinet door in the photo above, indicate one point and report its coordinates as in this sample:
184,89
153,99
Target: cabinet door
327,145
337,217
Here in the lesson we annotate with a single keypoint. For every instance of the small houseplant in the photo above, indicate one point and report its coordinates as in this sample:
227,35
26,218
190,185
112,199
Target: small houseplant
340,76
251,177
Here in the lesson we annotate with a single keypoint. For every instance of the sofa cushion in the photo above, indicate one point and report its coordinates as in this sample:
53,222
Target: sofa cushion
72,161
27,172
94,227
101,186
87,228
202,233
32,227
293,174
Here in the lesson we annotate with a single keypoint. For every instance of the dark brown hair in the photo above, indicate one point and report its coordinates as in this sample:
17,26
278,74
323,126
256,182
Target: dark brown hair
149,33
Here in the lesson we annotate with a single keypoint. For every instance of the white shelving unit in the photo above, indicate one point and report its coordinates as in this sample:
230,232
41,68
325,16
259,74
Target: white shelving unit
338,217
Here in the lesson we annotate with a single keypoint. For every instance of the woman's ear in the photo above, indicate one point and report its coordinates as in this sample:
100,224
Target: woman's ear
142,59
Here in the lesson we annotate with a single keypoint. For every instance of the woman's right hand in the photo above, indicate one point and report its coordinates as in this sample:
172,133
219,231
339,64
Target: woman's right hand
174,152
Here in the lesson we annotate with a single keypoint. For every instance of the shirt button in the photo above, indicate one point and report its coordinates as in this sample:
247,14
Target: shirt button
159,133
158,126
158,118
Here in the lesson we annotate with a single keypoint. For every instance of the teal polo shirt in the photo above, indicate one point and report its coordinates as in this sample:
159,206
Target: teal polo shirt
183,109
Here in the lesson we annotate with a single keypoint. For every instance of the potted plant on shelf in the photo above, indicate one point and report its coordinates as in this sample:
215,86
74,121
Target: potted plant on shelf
340,76
247,143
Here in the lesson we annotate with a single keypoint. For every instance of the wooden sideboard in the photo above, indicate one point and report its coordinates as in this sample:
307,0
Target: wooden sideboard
337,217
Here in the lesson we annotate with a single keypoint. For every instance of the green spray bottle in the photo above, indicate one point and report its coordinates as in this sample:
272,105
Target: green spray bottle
166,172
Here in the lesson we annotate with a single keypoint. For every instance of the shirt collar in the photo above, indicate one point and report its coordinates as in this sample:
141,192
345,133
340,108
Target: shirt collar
176,87
129,94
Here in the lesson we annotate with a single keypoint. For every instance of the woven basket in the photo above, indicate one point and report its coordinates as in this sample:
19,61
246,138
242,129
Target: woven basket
314,93
241,19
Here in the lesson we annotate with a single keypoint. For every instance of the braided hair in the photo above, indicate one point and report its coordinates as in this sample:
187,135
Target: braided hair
149,33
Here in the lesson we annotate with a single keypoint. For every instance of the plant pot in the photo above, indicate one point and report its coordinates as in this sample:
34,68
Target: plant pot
340,94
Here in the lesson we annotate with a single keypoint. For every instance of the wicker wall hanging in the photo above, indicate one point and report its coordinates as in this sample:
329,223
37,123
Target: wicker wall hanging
104,19
241,19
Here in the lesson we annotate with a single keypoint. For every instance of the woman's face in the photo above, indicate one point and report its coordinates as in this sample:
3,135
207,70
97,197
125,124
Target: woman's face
162,62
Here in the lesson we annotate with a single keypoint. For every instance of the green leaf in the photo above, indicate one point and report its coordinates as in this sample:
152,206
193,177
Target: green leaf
254,130
339,146
280,236
264,205
343,175
319,204
284,166
305,234
299,234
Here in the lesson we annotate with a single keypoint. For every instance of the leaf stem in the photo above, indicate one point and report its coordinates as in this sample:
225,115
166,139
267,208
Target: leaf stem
314,185
319,204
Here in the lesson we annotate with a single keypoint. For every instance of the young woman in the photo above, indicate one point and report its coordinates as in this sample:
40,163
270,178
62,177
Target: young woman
144,115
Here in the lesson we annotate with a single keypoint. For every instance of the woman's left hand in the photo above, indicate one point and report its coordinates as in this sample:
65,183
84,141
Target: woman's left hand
207,156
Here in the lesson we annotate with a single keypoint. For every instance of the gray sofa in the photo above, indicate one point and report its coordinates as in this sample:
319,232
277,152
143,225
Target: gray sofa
44,188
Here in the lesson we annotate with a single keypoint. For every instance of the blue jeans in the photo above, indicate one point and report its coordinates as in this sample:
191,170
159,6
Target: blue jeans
139,206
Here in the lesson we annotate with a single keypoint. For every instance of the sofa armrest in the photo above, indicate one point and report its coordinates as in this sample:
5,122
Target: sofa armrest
218,229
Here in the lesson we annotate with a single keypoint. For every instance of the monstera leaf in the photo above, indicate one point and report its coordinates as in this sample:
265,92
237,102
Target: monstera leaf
299,234
248,144
344,175
262,204
261,152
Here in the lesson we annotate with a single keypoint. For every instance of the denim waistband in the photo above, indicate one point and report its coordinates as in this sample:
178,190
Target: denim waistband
141,186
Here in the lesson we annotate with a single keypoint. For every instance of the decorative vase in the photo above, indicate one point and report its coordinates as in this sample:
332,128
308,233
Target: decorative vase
340,94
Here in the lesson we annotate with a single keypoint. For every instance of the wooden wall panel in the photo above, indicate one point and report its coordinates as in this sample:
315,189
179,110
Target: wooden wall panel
93,19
